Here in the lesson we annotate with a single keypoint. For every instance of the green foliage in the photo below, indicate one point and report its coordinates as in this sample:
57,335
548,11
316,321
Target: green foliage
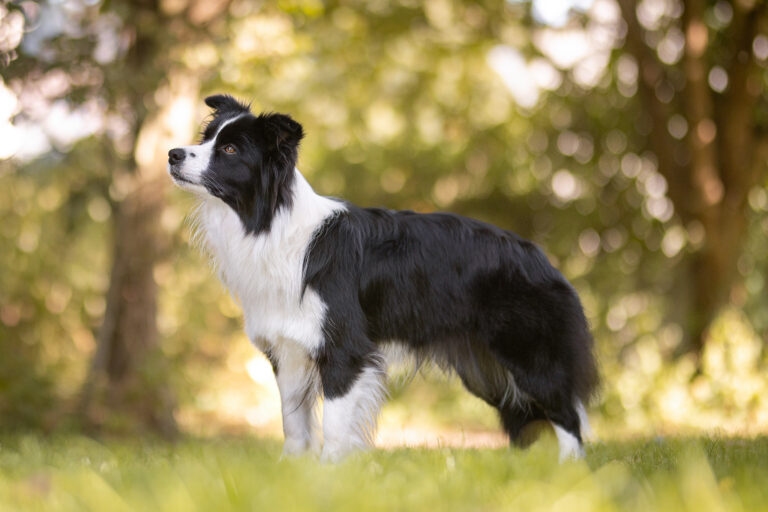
26,394
238,474
52,284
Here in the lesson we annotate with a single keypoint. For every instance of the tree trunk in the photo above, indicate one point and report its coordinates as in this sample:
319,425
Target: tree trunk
713,270
725,162
127,386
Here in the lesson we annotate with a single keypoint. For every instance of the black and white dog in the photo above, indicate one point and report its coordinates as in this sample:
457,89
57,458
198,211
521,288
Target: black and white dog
328,288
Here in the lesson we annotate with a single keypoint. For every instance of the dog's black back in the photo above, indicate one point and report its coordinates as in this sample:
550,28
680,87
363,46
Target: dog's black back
466,294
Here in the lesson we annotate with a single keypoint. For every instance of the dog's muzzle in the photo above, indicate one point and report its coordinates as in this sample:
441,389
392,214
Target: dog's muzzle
176,157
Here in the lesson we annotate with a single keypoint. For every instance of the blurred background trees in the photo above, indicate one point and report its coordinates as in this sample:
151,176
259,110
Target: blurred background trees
628,139
701,91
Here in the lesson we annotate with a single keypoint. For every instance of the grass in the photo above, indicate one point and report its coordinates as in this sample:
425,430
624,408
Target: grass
76,473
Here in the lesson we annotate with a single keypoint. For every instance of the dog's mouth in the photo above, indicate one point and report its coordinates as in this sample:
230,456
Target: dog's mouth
177,176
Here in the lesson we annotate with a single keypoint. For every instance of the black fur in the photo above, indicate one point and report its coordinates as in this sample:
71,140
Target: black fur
221,103
256,181
471,296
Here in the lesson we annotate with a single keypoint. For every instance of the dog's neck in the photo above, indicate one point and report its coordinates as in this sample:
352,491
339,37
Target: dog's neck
309,209
236,254
307,206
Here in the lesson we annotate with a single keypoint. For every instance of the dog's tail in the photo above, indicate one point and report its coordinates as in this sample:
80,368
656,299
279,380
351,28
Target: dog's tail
586,379
568,326
584,427
580,346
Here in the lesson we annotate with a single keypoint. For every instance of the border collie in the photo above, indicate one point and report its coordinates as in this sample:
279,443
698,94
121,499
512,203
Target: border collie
327,288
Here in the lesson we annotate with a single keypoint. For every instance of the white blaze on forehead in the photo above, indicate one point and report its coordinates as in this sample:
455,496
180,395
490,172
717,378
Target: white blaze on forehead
198,156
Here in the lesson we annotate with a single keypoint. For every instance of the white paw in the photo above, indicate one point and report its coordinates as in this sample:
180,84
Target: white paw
333,455
295,447
570,447
576,453
334,452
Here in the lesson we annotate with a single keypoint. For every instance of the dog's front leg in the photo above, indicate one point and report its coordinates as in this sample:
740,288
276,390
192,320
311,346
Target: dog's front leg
353,395
298,382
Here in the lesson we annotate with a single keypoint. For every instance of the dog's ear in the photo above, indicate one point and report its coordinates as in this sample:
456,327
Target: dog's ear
225,103
285,130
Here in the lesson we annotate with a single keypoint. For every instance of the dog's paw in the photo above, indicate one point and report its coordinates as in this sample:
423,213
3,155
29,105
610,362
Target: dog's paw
296,448
333,456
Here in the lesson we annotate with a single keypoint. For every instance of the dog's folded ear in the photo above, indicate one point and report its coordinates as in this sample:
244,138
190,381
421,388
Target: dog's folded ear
225,103
285,129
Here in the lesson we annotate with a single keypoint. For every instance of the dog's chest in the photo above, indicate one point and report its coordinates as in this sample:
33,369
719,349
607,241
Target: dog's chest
265,272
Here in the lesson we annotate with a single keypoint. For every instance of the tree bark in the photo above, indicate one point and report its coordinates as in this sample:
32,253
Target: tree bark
128,371
712,189
127,378
127,387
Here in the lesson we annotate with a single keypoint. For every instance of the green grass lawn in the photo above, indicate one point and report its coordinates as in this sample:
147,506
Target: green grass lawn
75,473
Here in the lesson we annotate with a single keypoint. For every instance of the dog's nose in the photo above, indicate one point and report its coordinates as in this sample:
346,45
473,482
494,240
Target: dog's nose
176,156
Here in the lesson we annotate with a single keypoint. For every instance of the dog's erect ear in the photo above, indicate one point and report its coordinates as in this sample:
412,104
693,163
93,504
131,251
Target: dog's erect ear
285,129
225,103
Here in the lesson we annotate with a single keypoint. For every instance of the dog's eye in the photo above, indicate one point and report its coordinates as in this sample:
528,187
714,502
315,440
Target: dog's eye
230,149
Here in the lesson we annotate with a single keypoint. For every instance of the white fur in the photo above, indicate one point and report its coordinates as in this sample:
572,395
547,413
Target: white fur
265,272
584,426
400,362
196,161
299,385
570,448
349,421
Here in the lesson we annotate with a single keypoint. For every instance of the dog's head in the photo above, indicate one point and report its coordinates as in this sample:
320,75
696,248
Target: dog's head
247,161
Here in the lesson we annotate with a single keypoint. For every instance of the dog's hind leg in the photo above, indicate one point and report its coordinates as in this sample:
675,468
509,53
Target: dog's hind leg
550,398
541,337
515,417
571,427
568,431
519,406
485,377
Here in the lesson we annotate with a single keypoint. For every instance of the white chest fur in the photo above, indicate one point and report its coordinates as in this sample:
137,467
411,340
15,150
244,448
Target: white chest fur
265,271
